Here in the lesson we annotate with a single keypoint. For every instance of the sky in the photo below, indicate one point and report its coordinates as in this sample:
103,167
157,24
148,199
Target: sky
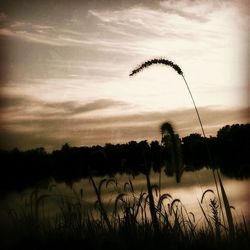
65,65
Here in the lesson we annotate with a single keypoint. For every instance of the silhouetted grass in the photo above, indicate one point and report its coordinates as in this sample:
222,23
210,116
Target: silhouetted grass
130,224
223,193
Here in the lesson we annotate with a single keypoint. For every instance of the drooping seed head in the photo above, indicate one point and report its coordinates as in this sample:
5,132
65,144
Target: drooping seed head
157,61
167,128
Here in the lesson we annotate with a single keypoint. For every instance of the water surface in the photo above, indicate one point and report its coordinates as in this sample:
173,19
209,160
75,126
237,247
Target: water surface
189,191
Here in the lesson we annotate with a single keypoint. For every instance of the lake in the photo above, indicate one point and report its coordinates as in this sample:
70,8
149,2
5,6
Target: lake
189,191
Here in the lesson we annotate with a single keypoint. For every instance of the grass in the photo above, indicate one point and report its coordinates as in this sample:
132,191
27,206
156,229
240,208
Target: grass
178,69
124,222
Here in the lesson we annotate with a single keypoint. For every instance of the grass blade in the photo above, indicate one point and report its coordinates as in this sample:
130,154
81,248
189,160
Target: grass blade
227,208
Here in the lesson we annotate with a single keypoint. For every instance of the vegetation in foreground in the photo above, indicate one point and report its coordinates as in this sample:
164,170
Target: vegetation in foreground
127,221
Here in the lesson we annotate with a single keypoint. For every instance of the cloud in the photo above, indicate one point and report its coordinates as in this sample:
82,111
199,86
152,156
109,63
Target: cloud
65,54
31,106
12,101
40,34
131,32
3,17
73,108
140,30
107,27
53,131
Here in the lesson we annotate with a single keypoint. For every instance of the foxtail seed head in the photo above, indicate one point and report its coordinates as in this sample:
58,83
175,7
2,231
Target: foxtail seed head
157,61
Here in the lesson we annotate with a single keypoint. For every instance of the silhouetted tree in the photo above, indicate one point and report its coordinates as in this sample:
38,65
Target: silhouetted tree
231,147
194,150
233,143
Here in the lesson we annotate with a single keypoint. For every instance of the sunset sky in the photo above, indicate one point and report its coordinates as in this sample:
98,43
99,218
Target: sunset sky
65,65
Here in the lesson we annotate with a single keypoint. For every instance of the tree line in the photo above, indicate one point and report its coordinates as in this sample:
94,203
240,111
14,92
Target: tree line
229,151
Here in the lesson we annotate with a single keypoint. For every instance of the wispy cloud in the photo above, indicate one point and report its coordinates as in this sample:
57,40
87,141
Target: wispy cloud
53,34
110,27
56,130
135,30
30,37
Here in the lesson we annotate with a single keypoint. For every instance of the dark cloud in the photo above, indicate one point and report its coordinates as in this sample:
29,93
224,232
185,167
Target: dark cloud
22,140
54,108
51,132
73,108
51,11
14,101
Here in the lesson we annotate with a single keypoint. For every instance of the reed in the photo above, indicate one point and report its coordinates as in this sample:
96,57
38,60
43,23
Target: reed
98,195
224,196
178,70
129,226
169,137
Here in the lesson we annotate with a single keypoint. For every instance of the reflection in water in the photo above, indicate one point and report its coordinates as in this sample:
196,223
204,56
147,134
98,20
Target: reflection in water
189,191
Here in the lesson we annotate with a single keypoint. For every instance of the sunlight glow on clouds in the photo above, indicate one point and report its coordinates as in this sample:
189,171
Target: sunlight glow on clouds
66,66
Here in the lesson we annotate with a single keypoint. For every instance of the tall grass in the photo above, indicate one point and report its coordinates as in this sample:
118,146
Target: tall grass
224,196
129,224
99,200
173,145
